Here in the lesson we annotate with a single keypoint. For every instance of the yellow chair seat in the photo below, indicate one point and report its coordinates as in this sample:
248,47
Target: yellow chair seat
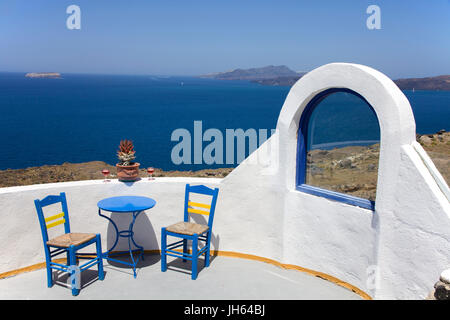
187,228
68,239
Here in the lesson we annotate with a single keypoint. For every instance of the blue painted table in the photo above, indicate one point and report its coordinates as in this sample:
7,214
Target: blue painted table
124,204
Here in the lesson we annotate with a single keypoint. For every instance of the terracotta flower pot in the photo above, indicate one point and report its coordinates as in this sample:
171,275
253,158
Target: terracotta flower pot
128,173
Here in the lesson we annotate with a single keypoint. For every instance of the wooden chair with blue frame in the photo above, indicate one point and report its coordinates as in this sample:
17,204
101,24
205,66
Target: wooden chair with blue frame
68,243
191,231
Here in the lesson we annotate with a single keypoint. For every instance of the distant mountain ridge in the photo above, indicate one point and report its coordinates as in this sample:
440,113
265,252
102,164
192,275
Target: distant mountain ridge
283,76
441,83
254,74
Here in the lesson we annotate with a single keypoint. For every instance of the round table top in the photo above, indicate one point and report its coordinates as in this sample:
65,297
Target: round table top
126,203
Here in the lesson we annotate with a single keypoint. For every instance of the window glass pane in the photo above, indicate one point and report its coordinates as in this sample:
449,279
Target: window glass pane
343,146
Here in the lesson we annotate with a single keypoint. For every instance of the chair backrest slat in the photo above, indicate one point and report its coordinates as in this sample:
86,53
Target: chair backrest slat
54,224
201,205
56,216
191,210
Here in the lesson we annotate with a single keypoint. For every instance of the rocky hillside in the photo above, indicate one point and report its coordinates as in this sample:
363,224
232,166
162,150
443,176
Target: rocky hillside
438,148
88,171
351,170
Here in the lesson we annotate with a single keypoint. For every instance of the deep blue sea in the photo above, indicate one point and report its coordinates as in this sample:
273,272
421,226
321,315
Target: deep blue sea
83,117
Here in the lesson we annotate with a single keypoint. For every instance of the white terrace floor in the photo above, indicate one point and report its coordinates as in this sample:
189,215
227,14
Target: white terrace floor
226,279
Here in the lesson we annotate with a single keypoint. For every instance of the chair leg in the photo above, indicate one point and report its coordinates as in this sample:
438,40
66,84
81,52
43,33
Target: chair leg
101,274
49,272
185,248
163,250
73,271
194,257
207,253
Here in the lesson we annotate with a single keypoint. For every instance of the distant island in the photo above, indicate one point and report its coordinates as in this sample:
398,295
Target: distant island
283,76
51,75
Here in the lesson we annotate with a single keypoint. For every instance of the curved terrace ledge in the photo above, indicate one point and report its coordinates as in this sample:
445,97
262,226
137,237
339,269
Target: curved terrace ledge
227,278
330,292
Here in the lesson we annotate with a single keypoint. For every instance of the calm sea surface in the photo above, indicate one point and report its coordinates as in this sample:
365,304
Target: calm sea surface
83,117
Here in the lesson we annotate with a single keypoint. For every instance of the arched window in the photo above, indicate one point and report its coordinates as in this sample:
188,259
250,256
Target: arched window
338,148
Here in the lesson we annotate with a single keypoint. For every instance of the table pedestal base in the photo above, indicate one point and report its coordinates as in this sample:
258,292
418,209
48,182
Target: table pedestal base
124,234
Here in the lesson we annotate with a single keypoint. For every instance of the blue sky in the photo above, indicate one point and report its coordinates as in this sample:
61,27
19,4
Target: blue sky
191,37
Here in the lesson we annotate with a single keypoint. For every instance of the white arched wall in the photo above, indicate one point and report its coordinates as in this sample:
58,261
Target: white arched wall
343,239
410,210
393,110
405,241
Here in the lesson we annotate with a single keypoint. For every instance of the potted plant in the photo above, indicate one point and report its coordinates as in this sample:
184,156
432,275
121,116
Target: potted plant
127,170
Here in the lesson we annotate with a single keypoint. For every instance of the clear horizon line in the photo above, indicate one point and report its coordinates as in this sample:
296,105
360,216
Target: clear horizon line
181,75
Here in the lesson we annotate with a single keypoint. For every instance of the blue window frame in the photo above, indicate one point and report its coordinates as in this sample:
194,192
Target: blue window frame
302,155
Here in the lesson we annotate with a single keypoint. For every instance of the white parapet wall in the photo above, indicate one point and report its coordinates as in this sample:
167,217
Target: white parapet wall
396,251
19,227
240,225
